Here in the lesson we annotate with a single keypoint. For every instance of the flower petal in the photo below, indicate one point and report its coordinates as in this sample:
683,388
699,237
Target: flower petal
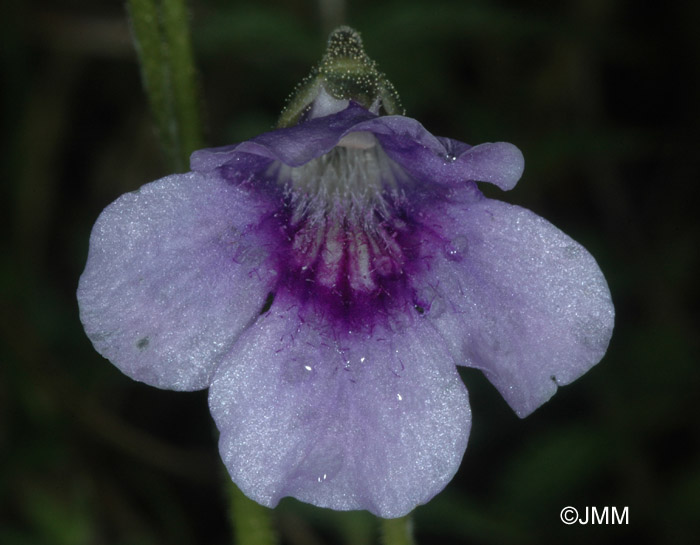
293,146
174,273
498,163
405,140
367,421
517,298
443,160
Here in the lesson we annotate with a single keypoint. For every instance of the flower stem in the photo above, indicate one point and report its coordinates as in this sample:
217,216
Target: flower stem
163,45
397,531
183,75
252,524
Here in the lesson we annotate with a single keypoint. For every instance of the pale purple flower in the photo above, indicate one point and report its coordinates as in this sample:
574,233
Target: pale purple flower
324,281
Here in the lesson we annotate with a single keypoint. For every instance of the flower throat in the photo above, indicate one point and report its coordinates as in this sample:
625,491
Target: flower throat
347,238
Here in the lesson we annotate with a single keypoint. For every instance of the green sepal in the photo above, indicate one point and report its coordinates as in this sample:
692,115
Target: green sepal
345,73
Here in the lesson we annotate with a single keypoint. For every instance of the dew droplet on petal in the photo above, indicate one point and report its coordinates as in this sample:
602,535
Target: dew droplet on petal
297,370
325,462
397,367
430,301
456,249
437,307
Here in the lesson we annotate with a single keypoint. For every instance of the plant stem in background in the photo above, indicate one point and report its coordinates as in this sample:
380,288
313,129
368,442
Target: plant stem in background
182,75
164,48
397,531
332,14
252,524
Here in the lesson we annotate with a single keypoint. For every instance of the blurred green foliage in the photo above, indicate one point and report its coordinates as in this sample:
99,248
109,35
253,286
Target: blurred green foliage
601,96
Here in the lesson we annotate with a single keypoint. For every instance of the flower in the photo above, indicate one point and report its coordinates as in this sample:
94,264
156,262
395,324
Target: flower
324,280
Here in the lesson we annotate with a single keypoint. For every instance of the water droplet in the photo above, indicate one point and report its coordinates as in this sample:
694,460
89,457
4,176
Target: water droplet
430,301
297,370
325,461
250,255
571,251
401,319
384,265
230,236
456,249
399,224
397,367
437,307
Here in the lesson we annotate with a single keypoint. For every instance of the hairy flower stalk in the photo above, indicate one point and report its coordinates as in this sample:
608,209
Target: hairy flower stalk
324,280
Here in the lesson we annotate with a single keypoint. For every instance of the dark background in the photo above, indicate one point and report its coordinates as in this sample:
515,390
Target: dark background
602,98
